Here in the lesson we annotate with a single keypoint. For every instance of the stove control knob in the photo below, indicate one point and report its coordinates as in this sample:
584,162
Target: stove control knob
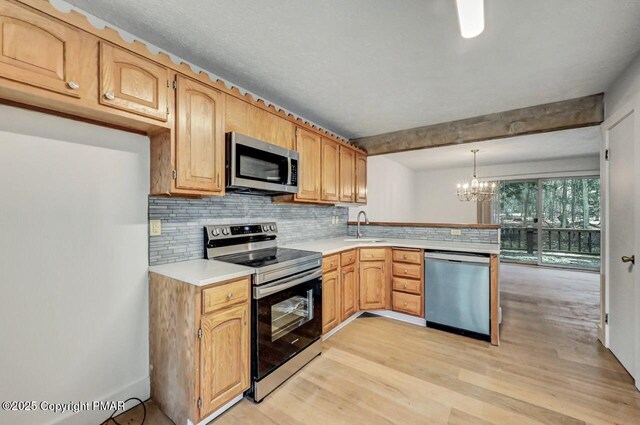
273,227
265,228
225,231
215,232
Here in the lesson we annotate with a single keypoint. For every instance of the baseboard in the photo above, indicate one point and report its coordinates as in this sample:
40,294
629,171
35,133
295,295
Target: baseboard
341,325
140,389
400,316
218,412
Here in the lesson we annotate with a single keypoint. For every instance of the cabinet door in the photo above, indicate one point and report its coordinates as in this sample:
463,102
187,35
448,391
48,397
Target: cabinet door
361,179
308,146
330,301
224,357
348,291
199,137
132,83
39,51
372,285
330,171
347,175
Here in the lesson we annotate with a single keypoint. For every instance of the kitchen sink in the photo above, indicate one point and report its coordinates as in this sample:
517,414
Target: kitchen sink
364,240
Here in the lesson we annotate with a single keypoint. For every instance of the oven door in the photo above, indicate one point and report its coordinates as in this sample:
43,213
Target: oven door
287,317
255,164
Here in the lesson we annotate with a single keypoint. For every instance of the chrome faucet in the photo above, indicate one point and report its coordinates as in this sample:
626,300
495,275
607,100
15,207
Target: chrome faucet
366,221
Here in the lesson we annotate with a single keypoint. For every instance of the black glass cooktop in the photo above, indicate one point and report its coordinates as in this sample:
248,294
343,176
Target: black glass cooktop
265,257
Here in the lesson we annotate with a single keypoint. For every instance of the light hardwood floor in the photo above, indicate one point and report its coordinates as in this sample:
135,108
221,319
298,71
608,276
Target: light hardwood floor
550,369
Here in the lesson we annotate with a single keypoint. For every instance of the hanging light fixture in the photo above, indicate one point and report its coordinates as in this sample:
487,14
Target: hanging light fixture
476,190
471,17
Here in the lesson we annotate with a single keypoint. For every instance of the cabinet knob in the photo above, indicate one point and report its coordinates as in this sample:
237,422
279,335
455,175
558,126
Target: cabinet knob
73,85
230,295
404,256
406,271
405,286
405,304
109,96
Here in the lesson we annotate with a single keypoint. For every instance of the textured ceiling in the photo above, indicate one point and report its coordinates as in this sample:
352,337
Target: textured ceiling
576,143
365,67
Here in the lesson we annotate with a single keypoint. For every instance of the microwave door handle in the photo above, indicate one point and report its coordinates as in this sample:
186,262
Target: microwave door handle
264,291
288,171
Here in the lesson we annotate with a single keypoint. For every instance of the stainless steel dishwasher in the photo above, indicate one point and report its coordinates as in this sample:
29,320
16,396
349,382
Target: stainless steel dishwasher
457,295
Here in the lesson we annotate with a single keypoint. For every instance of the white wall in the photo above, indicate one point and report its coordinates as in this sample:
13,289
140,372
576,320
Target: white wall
390,190
73,264
623,89
435,197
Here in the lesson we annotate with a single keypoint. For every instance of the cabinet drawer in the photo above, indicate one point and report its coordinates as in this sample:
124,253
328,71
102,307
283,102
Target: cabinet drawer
407,303
411,271
407,285
330,262
404,256
347,258
221,296
372,254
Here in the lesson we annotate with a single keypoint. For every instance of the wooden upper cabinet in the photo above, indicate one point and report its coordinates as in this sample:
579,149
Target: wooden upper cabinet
224,356
132,83
308,146
373,285
255,122
199,137
361,179
330,171
347,174
39,51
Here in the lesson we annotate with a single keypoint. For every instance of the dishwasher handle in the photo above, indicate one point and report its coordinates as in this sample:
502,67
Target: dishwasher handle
455,257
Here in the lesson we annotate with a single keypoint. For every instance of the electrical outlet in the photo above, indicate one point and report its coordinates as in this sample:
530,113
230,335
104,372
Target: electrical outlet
155,227
456,232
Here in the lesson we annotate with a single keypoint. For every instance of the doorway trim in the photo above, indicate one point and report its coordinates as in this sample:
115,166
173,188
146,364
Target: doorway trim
631,107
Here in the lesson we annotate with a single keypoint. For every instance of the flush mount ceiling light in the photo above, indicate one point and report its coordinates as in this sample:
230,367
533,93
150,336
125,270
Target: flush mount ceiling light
476,190
471,17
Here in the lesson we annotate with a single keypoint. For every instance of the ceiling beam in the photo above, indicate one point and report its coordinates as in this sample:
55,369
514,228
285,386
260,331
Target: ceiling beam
580,112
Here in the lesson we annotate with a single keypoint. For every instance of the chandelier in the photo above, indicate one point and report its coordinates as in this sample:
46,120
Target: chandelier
476,190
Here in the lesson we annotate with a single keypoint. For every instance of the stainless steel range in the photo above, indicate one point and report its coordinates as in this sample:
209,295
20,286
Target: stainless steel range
287,300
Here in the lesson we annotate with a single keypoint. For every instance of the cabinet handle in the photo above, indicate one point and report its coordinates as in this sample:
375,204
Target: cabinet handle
404,256
406,271
230,295
218,179
109,96
405,304
73,85
405,286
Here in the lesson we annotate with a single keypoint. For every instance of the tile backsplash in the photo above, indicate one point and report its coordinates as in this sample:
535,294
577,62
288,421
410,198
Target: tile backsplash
471,235
183,220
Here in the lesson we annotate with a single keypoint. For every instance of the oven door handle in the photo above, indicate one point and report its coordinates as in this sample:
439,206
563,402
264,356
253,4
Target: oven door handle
263,291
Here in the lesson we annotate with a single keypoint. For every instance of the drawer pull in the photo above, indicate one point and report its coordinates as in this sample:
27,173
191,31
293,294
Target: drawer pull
109,96
405,286
73,85
406,271
405,256
230,295
405,304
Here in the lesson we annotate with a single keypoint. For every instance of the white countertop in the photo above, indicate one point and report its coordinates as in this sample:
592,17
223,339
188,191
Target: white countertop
330,246
202,272
207,272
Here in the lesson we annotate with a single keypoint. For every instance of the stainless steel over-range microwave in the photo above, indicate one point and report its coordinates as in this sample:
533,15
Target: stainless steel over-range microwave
254,166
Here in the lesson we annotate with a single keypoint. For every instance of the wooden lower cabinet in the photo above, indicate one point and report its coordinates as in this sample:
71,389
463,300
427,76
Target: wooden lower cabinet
407,281
224,354
348,291
330,301
373,285
199,348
